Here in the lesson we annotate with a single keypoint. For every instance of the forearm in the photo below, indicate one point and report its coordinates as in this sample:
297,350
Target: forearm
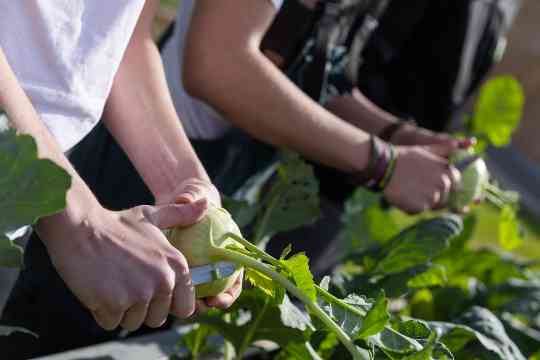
358,110
24,119
232,75
141,116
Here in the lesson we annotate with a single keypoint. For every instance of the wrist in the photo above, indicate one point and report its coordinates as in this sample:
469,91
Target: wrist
81,206
391,133
380,168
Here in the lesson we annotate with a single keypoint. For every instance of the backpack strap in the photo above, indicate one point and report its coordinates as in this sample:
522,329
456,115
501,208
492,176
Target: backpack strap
361,36
287,35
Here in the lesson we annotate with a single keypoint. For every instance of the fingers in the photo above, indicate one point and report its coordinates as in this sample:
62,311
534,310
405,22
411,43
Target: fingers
183,300
158,311
108,319
171,215
443,150
225,300
135,317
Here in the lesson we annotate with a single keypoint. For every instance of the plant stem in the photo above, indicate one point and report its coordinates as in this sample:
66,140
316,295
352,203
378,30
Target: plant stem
260,238
251,330
254,249
197,343
241,259
325,294
228,348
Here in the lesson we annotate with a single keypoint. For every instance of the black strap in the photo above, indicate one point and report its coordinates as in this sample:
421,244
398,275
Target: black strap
362,35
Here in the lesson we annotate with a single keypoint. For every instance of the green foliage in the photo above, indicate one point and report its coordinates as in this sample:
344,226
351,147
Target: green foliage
509,229
498,110
30,188
298,267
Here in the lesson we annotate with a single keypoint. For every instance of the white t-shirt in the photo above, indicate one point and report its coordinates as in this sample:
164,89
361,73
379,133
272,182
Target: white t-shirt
65,54
200,121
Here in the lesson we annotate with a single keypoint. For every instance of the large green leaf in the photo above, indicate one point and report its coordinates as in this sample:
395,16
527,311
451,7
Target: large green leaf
282,324
491,335
292,201
498,110
419,243
29,187
365,222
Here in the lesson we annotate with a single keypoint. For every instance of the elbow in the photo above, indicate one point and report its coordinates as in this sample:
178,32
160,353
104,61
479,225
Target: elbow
194,78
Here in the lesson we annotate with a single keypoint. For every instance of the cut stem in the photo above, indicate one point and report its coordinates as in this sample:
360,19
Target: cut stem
241,259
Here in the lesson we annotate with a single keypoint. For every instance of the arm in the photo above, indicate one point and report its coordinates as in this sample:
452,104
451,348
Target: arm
141,116
118,264
358,110
224,67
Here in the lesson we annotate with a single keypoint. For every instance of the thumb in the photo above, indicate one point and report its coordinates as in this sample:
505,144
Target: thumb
167,216
442,150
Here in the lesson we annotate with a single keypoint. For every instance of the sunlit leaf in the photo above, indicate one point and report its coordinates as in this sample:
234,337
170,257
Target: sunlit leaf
498,110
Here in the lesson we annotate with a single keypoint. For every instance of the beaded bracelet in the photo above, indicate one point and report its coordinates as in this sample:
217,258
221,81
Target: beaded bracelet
380,167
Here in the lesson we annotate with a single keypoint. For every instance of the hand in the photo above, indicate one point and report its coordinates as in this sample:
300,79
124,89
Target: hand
121,266
422,179
192,190
410,135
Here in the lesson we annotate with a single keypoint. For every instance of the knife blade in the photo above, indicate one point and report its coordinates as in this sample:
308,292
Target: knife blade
211,272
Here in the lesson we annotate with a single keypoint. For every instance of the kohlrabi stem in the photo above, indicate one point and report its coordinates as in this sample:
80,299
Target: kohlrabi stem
248,337
254,249
230,255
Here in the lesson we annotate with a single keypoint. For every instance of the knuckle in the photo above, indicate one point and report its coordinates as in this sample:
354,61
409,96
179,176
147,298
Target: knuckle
184,312
155,323
165,285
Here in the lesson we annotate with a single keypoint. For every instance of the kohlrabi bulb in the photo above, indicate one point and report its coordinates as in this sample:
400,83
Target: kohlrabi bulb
473,180
196,242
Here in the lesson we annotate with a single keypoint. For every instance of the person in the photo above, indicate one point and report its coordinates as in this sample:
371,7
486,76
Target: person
220,79
63,65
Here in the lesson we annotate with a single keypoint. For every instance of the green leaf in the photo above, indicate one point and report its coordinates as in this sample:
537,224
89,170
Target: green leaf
510,235
11,254
298,267
292,201
282,324
196,340
265,284
490,334
426,352
298,351
365,222
498,110
285,252
419,243
29,187
434,276
241,211
376,318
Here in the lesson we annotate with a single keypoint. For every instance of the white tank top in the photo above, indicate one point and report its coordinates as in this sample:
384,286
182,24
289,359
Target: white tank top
200,121
65,54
